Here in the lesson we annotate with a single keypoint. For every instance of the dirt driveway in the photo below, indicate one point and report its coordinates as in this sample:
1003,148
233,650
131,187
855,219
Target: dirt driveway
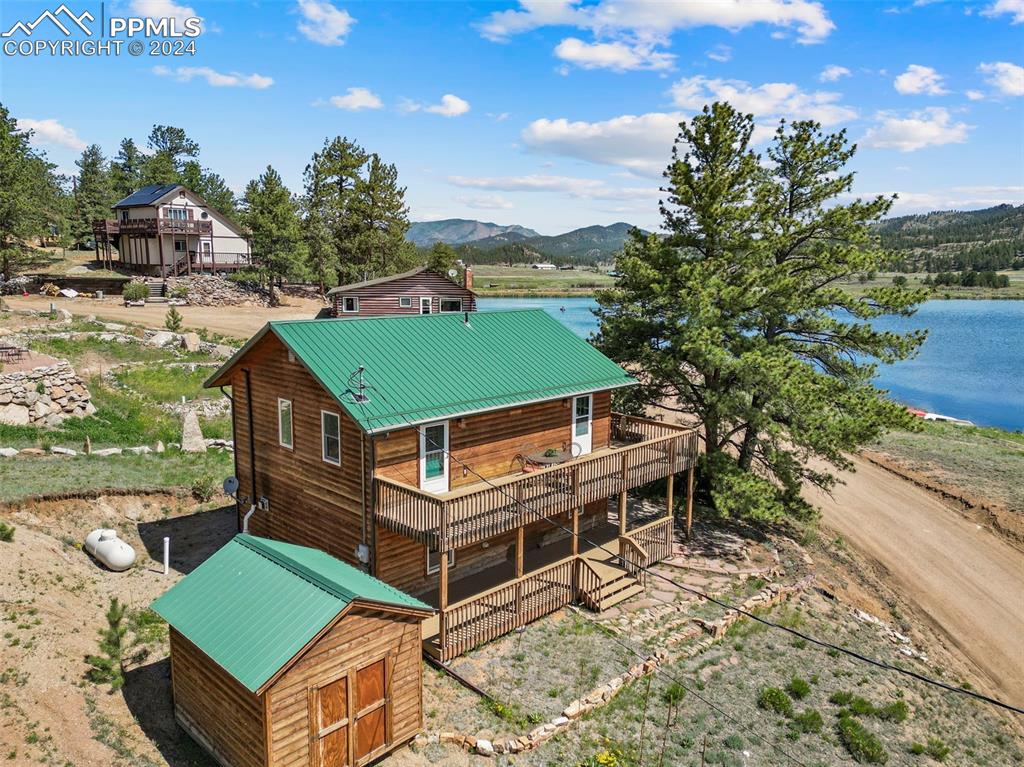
963,578
235,321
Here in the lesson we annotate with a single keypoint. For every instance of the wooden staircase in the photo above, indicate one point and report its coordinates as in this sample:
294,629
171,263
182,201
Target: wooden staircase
616,584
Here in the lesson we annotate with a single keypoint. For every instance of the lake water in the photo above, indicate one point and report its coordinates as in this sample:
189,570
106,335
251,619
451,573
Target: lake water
971,366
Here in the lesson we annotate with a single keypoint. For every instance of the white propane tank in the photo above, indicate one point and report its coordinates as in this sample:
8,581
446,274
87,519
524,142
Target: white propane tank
109,549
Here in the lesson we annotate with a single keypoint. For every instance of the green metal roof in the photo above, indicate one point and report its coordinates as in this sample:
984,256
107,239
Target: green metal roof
256,603
422,368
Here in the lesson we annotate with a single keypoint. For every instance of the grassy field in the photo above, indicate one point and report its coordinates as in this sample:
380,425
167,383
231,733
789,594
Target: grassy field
983,462
495,280
168,384
883,279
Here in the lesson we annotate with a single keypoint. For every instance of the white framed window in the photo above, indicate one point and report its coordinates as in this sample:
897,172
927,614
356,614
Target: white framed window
451,304
405,302
426,303
330,433
434,560
179,246
350,304
177,214
284,422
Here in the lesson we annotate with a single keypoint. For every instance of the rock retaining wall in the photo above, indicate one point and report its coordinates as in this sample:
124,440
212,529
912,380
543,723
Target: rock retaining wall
207,290
43,396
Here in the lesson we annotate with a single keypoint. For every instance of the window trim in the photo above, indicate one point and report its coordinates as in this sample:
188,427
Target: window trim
355,300
430,304
323,438
437,568
290,444
405,302
441,301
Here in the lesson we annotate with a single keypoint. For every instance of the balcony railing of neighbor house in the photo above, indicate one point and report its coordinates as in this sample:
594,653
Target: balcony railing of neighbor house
653,450
152,226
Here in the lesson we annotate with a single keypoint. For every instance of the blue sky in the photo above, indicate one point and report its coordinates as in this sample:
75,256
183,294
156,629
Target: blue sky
553,115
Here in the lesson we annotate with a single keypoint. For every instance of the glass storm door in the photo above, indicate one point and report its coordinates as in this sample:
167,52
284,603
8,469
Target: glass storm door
582,423
434,457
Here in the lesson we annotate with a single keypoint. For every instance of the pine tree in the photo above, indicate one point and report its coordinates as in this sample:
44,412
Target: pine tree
171,149
126,169
441,258
93,194
734,319
380,221
272,216
108,666
29,195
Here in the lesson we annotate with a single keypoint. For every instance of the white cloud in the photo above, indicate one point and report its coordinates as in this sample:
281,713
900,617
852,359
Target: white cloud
655,19
720,53
929,127
485,202
953,198
832,73
583,188
975,95
617,56
50,131
499,117
323,23
450,106
767,101
215,78
1014,8
163,9
642,143
1005,77
356,99
919,79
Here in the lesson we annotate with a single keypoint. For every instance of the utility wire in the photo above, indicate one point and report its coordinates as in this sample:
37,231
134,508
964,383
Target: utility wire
722,603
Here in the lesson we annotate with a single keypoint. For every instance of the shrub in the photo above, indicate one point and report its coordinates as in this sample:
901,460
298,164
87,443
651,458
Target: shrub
203,487
6,532
173,319
798,689
863,746
179,291
808,721
936,749
673,694
735,742
841,698
135,291
774,699
108,667
246,276
897,711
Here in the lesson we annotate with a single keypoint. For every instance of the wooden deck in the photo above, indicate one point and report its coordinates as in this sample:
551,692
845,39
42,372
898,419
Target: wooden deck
604,570
642,451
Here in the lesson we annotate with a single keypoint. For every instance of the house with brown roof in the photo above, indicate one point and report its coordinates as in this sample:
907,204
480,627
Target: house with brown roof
419,291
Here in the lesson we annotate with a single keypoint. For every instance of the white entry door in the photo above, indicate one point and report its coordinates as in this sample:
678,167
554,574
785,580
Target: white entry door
582,423
426,304
434,457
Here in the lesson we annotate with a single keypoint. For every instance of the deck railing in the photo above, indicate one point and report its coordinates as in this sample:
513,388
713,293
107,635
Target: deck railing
471,515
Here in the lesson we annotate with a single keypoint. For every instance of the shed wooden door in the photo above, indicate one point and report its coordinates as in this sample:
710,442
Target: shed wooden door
331,724
351,717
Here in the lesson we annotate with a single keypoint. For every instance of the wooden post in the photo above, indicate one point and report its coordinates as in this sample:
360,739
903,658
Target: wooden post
442,579
670,490
689,501
160,246
576,530
96,242
519,571
146,239
213,257
622,494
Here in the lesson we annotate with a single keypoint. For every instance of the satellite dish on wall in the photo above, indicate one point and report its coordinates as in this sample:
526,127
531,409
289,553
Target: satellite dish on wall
231,485
452,272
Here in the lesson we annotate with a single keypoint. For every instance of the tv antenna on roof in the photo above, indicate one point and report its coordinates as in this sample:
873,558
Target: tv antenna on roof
359,395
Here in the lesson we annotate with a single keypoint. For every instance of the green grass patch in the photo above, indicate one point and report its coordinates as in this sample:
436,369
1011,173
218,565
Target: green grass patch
935,748
6,532
167,384
774,699
798,688
31,476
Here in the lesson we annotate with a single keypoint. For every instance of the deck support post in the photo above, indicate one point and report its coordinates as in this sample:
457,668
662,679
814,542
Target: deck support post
160,246
442,580
689,501
622,494
96,242
519,571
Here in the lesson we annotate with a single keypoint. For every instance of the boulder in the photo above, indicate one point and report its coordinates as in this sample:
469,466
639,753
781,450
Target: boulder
484,747
114,327
64,315
190,342
32,451
159,447
62,451
191,435
223,351
107,451
14,415
161,338
8,452
141,450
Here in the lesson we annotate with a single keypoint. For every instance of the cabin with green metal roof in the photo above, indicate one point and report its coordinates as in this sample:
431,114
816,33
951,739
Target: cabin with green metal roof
284,655
471,459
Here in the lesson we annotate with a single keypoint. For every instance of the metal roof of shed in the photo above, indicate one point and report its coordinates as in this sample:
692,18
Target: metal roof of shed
423,368
254,604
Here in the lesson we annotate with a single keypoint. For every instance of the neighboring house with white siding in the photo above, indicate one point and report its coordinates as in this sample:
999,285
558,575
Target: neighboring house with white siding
167,230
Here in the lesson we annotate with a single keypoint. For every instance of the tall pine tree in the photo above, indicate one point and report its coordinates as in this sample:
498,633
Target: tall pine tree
381,220
93,193
734,320
271,215
126,169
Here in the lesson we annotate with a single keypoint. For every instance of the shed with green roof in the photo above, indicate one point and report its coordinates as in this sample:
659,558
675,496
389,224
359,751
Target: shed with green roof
284,654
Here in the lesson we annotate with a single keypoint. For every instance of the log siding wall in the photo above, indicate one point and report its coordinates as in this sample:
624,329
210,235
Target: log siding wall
214,708
361,637
312,502
383,298
490,442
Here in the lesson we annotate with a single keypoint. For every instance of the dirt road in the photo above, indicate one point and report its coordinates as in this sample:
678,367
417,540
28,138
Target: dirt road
235,321
964,579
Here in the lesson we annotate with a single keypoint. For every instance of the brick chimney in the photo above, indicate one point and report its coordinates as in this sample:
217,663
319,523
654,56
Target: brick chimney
467,278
